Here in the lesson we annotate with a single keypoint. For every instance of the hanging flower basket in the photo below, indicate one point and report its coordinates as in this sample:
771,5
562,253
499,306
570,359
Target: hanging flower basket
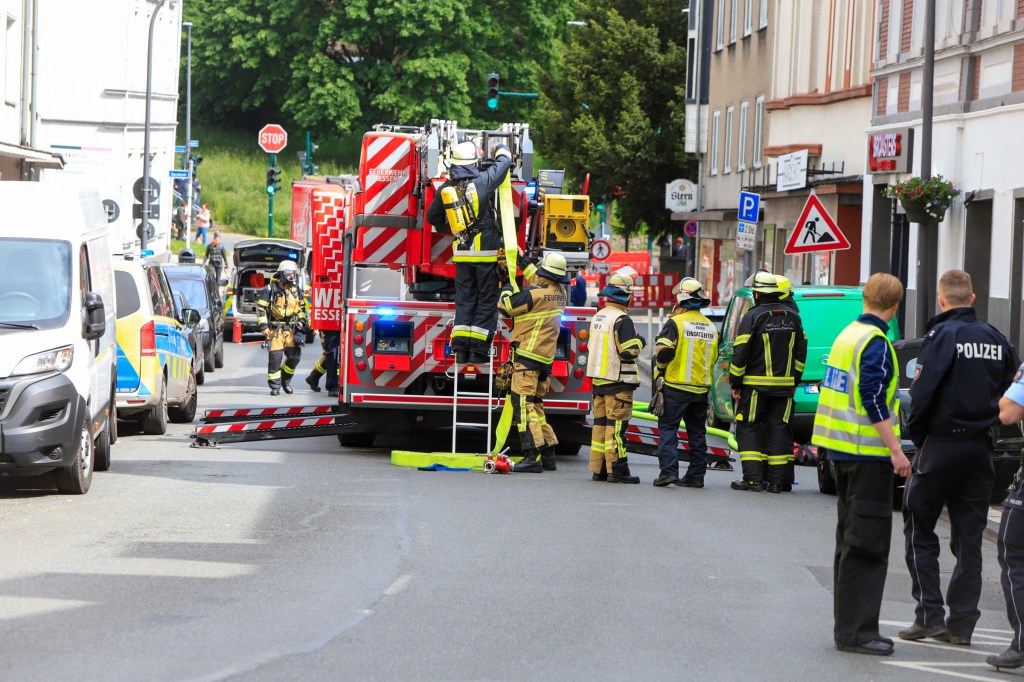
920,211
925,201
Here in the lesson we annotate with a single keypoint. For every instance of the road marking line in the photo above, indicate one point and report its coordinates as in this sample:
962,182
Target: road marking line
22,607
401,582
938,668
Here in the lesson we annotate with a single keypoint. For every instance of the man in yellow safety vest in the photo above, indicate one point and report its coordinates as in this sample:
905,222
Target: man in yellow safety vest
858,424
614,347
686,355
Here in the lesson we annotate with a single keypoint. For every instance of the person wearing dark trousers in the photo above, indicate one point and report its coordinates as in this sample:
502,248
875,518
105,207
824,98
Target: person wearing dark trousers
856,421
326,365
477,249
767,363
687,349
963,368
1011,537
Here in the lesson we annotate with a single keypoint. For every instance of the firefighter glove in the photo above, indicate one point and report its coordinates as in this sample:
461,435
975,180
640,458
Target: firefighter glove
502,149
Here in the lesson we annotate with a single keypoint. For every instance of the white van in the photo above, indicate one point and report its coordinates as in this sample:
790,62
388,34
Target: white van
57,354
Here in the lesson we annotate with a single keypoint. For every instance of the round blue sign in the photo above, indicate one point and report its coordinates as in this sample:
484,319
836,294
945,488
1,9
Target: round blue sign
691,228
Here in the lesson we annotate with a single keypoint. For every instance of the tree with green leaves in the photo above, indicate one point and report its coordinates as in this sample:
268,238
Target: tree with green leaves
615,106
333,67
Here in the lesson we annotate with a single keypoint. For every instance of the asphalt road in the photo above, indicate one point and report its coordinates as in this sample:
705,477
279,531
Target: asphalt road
301,560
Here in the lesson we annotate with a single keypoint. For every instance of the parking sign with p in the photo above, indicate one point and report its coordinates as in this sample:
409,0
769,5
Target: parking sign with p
750,207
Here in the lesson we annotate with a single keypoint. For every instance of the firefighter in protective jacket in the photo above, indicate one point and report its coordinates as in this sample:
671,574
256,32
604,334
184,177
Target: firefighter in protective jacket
614,348
767,363
281,312
687,349
476,250
536,313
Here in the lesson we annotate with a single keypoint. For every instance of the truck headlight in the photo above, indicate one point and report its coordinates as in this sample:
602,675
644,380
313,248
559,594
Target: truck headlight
581,360
56,360
358,352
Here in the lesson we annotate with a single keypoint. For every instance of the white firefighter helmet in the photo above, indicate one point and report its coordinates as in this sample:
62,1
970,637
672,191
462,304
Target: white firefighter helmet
619,288
464,154
749,281
765,283
621,279
552,266
689,289
288,271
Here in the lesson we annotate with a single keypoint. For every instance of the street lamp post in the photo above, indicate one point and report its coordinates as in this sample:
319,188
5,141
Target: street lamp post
927,235
188,136
145,212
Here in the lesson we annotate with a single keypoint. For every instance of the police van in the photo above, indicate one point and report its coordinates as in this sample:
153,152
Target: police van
57,356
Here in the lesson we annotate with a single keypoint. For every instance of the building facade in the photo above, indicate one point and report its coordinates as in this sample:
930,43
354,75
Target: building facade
733,132
977,118
818,107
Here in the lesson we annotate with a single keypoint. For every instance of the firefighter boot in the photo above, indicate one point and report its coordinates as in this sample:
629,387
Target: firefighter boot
530,463
753,477
620,473
789,478
286,385
313,381
603,476
547,458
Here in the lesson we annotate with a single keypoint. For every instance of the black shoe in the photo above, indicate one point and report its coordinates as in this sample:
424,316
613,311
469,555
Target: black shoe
461,357
775,488
1011,658
666,480
688,482
958,640
622,478
547,458
477,357
313,381
918,631
787,487
530,464
876,647
275,391
599,477
287,388
752,486
333,393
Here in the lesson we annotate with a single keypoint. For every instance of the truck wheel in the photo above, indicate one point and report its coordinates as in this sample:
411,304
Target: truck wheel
113,418
77,478
209,359
101,455
568,449
186,412
154,421
826,482
201,374
218,355
357,440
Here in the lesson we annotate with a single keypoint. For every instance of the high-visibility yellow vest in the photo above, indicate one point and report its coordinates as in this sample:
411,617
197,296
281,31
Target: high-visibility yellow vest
696,352
841,422
604,361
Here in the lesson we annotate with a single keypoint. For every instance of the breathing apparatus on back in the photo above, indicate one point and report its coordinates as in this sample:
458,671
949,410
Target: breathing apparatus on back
460,199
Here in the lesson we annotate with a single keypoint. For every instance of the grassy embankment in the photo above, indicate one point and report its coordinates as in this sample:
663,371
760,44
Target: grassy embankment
233,175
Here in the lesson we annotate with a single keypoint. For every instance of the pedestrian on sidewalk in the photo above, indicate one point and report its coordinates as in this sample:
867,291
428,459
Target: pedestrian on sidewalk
216,256
964,366
857,421
1011,536
687,349
614,348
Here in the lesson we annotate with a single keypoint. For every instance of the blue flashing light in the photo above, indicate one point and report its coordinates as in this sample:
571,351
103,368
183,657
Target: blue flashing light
386,312
566,318
146,252
293,256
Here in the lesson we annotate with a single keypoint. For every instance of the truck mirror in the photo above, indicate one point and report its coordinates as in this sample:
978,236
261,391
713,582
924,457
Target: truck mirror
95,317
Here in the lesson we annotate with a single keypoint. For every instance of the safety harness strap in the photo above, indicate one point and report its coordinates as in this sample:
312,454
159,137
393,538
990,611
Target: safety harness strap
508,228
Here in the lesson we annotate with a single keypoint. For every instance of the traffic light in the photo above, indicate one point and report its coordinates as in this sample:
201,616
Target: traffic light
313,168
493,81
273,179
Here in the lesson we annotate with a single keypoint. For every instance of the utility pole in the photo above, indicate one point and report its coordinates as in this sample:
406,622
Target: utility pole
145,213
188,137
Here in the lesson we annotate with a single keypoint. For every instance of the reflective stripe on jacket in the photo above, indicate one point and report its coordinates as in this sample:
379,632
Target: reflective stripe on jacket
606,363
842,423
536,312
694,339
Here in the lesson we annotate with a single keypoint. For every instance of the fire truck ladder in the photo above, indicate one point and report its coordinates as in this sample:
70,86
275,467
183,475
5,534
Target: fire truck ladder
489,396
224,425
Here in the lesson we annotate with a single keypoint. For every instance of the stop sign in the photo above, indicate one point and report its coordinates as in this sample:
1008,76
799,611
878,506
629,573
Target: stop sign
272,138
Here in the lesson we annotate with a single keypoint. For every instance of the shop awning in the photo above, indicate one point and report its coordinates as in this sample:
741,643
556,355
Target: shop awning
38,157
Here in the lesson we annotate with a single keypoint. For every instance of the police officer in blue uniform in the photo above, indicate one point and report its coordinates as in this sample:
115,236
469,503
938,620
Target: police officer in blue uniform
965,365
1011,536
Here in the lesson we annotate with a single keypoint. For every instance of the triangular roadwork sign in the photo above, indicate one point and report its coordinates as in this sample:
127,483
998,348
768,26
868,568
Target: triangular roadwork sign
816,230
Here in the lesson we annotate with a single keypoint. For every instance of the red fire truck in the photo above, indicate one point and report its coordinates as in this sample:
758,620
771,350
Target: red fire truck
383,277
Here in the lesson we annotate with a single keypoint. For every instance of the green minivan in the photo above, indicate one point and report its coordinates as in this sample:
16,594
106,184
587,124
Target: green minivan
825,311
